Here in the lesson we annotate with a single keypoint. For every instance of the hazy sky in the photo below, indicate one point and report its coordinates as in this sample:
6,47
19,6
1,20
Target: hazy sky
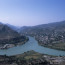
31,12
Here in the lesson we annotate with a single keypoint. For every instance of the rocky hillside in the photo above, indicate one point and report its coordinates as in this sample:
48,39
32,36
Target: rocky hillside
50,35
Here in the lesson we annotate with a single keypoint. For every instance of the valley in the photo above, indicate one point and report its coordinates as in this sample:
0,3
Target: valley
32,32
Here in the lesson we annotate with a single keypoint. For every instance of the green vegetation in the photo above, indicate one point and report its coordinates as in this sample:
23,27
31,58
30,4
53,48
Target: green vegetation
14,41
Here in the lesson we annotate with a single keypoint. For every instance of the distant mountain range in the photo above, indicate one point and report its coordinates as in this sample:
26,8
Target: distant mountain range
16,28
50,26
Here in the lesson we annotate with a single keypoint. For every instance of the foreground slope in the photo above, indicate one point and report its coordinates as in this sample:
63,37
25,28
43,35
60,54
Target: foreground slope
31,58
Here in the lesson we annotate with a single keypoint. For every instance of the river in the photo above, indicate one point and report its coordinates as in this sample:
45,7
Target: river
32,44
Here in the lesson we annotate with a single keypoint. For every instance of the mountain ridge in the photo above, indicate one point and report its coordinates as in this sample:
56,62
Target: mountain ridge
7,32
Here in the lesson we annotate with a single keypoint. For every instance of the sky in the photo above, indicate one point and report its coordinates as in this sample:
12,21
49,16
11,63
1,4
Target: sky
31,12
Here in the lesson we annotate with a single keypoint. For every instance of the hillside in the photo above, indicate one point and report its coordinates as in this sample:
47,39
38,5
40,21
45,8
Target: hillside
16,28
7,33
9,37
50,35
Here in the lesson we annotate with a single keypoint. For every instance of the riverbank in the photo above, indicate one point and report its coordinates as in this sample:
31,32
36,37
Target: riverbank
5,44
57,46
32,58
